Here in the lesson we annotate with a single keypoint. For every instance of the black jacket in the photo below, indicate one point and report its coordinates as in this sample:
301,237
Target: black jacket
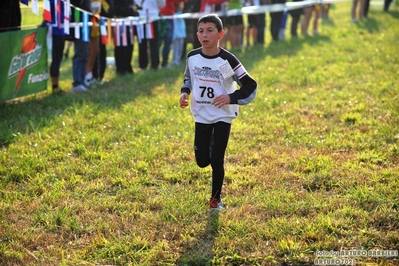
122,8
83,4
10,15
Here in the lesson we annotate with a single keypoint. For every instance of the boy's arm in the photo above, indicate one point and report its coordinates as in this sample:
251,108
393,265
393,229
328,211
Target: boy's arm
185,89
187,82
186,86
248,86
247,91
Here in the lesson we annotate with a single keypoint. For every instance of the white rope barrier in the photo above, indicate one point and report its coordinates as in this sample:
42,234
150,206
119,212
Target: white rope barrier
243,11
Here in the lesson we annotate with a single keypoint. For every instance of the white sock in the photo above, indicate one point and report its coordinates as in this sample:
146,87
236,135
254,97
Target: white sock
89,75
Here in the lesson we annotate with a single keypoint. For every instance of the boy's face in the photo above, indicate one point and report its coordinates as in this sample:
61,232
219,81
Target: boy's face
208,34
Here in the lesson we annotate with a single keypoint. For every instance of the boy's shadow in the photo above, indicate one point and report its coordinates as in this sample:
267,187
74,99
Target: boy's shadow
200,251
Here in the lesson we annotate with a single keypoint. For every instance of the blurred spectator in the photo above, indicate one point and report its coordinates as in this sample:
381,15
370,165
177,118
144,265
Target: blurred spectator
94,42
81,51
124,54
281,34
357,7
252,27
295,14
325,10
149,10
10,15
191,6
167,39
235,25
101,60
261,23
58,44
212,6
179,34
276,19
68,47
387,3
366,8
307,15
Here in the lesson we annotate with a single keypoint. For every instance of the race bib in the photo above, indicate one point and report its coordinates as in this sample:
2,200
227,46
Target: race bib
204,95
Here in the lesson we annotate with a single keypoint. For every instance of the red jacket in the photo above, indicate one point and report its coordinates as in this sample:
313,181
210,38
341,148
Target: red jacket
169,9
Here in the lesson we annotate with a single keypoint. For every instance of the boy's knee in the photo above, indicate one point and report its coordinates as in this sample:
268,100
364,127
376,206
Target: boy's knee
203,164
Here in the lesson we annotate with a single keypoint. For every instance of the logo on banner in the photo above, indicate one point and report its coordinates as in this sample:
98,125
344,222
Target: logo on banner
29,56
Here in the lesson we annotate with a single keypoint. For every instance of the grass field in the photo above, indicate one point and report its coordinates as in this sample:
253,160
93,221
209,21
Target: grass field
109,177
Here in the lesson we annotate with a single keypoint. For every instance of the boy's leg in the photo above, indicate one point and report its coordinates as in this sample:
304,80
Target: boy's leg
203,133
221,138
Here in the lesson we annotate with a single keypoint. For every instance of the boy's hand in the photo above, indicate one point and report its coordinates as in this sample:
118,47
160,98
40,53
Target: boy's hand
183,100
221,100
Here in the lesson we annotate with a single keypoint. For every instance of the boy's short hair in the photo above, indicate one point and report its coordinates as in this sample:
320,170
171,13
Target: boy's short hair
212,18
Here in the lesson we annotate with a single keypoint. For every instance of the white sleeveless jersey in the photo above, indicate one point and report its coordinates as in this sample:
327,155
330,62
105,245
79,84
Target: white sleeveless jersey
207,77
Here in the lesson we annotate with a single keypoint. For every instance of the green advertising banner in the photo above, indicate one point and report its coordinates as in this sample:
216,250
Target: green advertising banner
23,63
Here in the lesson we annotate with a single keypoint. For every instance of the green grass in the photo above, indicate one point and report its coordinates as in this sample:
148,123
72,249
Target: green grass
109,177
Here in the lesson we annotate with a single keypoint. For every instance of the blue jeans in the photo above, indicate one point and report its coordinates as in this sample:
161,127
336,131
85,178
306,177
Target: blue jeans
167,42
79,61
178,45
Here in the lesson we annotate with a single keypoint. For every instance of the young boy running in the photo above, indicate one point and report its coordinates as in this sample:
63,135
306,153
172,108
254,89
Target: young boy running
211,76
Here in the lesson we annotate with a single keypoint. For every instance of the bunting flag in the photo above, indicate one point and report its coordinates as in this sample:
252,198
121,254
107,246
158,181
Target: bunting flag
131,31
67,6
85,28
46,10
109,29
284,20
149,28
124,35
139,28
117,34
76,15
103,31
57,21
149,31
35,7
25,2
95,28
